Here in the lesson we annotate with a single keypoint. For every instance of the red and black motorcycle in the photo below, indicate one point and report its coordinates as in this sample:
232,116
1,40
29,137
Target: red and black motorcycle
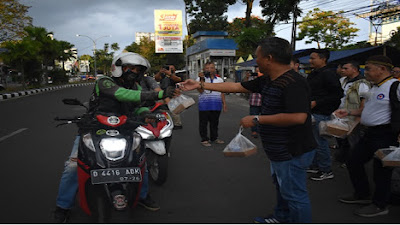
157,140
111,162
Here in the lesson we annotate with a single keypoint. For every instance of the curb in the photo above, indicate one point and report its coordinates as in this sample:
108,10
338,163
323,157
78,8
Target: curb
35,91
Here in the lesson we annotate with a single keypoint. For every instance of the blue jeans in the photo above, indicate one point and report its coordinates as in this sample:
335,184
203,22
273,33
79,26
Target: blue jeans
289,177
322,158
69,180
255,110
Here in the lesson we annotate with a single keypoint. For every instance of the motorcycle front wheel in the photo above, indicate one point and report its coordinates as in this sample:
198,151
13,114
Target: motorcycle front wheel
158,167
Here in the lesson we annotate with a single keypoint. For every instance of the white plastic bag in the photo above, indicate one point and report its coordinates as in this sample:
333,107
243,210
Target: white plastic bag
336,127
394,155
240,146
180,103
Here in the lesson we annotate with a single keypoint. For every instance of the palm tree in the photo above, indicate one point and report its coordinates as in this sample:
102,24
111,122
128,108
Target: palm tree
20,52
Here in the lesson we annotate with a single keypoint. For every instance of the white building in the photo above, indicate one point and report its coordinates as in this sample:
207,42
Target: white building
140,35
384,23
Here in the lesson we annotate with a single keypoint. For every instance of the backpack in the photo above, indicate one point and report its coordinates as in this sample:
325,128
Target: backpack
395,106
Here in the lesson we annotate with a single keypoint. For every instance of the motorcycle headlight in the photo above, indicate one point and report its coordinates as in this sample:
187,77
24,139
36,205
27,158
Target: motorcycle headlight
87,140
113,148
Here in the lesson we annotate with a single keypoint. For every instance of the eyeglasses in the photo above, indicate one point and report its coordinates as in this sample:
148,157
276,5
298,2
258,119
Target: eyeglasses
395,71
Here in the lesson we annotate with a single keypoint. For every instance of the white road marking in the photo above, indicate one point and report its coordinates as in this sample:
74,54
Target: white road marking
12,134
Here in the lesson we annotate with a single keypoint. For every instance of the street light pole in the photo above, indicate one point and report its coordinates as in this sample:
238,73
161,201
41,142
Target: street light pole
94,49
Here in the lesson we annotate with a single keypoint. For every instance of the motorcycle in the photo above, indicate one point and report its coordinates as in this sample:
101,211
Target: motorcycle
111,162
157,139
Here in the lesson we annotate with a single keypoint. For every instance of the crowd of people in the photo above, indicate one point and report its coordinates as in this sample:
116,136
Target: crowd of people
286,109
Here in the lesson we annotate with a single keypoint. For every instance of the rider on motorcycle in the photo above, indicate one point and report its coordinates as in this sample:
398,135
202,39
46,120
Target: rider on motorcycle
126,92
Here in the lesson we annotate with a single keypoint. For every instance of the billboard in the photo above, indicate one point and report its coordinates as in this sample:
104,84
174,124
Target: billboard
168,31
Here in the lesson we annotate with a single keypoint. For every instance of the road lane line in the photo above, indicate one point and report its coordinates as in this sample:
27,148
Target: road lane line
12,134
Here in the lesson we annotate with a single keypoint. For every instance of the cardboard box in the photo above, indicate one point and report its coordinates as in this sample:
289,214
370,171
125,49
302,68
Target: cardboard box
178,109
248,152
338,131
382,153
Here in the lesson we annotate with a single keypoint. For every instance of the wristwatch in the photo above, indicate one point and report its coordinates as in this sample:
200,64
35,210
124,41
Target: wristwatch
256,120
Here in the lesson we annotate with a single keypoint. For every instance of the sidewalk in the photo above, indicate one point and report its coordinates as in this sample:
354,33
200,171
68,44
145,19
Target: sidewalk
40,90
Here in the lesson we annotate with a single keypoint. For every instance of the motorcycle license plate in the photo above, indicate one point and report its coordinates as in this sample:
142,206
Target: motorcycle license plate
116,175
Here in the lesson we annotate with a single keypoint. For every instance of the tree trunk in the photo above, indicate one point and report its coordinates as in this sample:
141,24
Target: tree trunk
249,7
23,74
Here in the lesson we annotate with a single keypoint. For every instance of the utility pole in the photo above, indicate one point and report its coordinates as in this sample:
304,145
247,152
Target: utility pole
294,27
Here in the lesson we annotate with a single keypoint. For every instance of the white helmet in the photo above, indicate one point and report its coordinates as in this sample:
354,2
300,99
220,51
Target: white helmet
128,58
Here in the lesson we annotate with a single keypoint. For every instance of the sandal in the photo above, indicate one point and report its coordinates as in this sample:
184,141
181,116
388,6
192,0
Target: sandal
206,143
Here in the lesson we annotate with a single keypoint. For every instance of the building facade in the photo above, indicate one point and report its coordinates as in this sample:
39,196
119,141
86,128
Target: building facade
383,23
212,46
140,35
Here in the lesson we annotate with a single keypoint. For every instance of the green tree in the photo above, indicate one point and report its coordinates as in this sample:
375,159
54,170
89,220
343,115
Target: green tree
104,57
65,52
207,15
13,20
247,38
34,53
327,27
276,11
19,54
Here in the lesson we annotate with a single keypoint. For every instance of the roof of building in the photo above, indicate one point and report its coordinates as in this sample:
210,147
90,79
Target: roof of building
226,44
360,54
210,33
337,55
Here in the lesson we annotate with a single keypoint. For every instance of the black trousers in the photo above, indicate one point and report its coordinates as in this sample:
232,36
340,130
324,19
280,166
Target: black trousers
212,118
374,139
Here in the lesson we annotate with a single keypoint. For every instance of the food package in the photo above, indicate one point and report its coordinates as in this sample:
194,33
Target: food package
240,146
389,156
338,127
180,103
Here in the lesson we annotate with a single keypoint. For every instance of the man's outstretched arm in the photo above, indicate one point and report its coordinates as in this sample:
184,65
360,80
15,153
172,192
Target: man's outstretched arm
226,87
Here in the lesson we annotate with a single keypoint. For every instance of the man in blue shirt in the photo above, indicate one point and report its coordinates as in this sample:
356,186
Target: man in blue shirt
210,105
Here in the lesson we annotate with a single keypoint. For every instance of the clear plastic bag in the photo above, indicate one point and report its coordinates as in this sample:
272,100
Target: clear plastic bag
240,146
180,103
336,127
394,155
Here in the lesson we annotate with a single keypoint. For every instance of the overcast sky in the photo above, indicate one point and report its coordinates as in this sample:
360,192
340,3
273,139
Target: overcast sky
122,18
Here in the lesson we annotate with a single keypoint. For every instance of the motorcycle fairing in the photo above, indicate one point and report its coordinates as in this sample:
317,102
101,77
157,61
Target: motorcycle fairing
158,146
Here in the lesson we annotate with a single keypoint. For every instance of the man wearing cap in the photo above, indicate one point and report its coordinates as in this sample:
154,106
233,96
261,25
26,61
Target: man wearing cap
376,116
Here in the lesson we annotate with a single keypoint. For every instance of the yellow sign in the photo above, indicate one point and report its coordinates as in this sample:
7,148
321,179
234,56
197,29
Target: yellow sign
168,22
168,31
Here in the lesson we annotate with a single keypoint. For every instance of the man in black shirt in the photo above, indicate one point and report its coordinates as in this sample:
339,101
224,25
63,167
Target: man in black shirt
326,93
168,78
285,126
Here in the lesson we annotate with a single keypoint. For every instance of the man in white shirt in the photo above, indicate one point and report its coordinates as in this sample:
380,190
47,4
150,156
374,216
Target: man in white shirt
354,88
377,117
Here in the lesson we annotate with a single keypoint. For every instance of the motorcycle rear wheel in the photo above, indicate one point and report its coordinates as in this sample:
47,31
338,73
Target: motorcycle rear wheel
158,167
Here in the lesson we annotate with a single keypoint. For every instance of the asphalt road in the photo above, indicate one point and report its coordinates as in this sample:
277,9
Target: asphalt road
203,186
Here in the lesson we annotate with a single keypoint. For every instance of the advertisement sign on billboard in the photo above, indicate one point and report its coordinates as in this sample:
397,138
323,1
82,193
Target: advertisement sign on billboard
168,31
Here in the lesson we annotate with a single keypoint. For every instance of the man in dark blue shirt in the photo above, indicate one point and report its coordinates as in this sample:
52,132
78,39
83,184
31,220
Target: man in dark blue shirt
285,127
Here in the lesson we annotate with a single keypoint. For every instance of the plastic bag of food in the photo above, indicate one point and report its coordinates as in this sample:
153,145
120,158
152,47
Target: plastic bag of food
337,127
180,103
240,146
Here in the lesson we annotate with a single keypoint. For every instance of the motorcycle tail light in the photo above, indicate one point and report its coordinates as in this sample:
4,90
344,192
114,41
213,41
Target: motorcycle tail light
113,148
87,140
